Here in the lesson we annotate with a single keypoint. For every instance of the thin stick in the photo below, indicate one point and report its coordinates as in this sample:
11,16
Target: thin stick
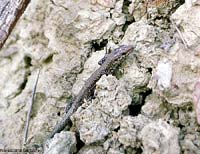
30,108
181,35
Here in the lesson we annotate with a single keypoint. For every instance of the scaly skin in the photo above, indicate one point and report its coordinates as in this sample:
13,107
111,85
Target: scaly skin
107,64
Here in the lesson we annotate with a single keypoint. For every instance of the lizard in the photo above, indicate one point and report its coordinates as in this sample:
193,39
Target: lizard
108,63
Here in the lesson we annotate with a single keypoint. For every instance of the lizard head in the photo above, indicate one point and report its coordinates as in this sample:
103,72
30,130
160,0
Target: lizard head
121,52
117,54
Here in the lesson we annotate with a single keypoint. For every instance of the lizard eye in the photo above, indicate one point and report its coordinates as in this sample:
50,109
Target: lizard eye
116,60
124,53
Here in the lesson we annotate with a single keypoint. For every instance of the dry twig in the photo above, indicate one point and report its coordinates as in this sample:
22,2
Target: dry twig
181,35
10,12
30,108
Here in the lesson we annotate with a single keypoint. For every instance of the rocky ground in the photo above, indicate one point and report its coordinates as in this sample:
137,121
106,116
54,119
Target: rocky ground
149,106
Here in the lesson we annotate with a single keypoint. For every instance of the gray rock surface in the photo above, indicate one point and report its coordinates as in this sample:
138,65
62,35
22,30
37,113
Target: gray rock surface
163,74
92,150
98,118
138,109
62,143
130,128
160,137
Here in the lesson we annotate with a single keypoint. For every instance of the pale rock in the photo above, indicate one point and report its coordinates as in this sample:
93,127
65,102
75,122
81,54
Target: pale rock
11,84
58,35
104,3
160,137
117,14
92,150
101,115
130,128
137,9
134,77
189,146
112,96
93,125
190,3
153,106
62,143
188,20
118,6
88,21
3,103
141,35
183,79
117,33
56,78
119,20
163,74
113,146
26,52
11,125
